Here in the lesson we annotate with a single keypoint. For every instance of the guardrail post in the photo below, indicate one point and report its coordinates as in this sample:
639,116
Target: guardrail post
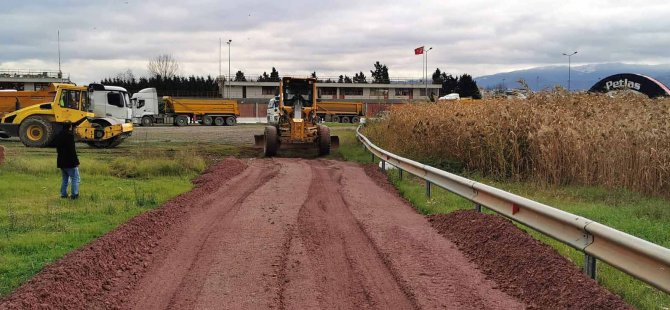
478,207
427,188
373,157
590,266
383,166
399,174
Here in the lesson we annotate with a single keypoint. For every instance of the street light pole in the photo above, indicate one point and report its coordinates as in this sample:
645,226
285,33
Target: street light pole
569,64
229,79
426,80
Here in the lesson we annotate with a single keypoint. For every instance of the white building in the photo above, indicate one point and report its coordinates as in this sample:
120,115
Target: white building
361,92
30,79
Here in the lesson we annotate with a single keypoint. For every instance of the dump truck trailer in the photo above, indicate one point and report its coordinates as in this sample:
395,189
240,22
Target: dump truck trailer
182,111
11,101
340,112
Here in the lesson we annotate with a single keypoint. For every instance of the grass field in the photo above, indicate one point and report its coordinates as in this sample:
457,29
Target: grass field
642,216
38,227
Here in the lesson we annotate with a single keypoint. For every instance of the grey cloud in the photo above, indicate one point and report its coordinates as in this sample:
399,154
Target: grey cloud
101,38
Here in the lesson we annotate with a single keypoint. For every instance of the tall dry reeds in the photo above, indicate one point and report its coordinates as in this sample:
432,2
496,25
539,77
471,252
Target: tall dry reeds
554,138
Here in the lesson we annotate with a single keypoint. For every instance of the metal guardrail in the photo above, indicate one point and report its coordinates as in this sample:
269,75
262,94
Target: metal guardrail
639,258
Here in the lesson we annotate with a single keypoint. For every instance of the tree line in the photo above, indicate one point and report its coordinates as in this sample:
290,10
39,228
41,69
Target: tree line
163,71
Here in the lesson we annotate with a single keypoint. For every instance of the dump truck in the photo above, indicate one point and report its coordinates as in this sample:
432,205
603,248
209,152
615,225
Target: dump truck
298,122
340,112
182,111
37,125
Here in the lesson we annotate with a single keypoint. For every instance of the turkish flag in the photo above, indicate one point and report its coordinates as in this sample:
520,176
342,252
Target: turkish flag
418,51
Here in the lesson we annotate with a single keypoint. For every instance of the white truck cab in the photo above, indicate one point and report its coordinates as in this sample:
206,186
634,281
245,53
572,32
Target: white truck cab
145,106
110,101
273,110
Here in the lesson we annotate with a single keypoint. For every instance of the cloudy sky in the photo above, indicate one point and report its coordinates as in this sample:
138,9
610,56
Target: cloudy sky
104,37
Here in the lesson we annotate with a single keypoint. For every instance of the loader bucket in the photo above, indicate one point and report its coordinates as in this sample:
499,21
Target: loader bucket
334,142
259,141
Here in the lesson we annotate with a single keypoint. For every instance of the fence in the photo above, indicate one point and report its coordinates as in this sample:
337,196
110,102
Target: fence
641,259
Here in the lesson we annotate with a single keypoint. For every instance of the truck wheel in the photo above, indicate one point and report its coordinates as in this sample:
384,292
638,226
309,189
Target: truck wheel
271,141
324,140
147,121
345,119
355,119
181,120
230,121
37,132
219,121
336,119
207,120
328,118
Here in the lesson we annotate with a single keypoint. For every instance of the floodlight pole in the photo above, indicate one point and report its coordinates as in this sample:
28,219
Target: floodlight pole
229,79
569,65
426,77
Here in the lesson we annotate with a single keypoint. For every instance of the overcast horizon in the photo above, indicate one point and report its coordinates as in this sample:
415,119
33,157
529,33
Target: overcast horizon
104,38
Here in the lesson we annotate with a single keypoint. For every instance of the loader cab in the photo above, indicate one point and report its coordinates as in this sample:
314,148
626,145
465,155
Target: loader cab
110,101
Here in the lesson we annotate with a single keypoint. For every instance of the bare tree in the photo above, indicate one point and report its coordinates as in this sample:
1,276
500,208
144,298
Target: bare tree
126,76
164,65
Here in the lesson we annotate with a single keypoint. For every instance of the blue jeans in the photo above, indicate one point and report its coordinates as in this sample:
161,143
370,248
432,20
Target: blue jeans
70,175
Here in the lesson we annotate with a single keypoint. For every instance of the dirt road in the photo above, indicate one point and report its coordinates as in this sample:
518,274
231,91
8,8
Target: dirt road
300,234
308,234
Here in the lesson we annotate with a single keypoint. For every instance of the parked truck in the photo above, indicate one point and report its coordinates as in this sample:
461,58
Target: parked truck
340,112
182,111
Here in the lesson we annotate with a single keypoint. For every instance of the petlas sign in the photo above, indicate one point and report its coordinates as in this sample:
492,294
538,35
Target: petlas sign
630,81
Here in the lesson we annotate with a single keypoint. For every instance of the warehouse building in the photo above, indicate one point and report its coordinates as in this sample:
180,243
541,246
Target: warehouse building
30,79
358,92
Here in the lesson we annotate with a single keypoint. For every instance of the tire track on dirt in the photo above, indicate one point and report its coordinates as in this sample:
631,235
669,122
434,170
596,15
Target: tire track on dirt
163,281
241,260
351,271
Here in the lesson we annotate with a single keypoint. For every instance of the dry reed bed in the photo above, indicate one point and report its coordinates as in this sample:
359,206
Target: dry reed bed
553,138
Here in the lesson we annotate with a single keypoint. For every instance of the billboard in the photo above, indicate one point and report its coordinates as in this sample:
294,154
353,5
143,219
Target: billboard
634,82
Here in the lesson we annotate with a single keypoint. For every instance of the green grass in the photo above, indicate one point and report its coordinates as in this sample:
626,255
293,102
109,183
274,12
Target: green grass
38,227
636,214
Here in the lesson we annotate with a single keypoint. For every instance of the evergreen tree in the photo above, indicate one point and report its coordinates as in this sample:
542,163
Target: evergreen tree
347,79
449,84
340,79
274,75
380,75
437,77
360,78
264,77
467,87
239,76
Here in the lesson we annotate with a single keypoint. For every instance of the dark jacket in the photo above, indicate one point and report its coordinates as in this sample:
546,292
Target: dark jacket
67,153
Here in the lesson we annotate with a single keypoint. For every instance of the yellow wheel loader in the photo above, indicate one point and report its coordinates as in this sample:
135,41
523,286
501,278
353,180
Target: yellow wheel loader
298,121
38,125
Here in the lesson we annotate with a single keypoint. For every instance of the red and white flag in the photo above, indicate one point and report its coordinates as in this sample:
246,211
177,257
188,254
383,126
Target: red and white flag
418,51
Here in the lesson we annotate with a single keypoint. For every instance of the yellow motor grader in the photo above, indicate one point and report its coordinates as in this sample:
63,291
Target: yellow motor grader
298,121
37,125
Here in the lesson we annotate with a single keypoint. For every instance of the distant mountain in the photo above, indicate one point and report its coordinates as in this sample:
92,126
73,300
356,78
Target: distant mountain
582,77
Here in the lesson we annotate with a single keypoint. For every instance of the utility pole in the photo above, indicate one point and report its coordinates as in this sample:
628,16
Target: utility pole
569,63
60,73
426,80
229,79
220,51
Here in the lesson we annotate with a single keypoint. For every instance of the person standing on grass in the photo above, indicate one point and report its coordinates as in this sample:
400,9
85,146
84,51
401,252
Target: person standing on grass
68,162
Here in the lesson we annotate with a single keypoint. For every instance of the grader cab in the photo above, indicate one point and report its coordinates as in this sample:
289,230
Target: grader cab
298,121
